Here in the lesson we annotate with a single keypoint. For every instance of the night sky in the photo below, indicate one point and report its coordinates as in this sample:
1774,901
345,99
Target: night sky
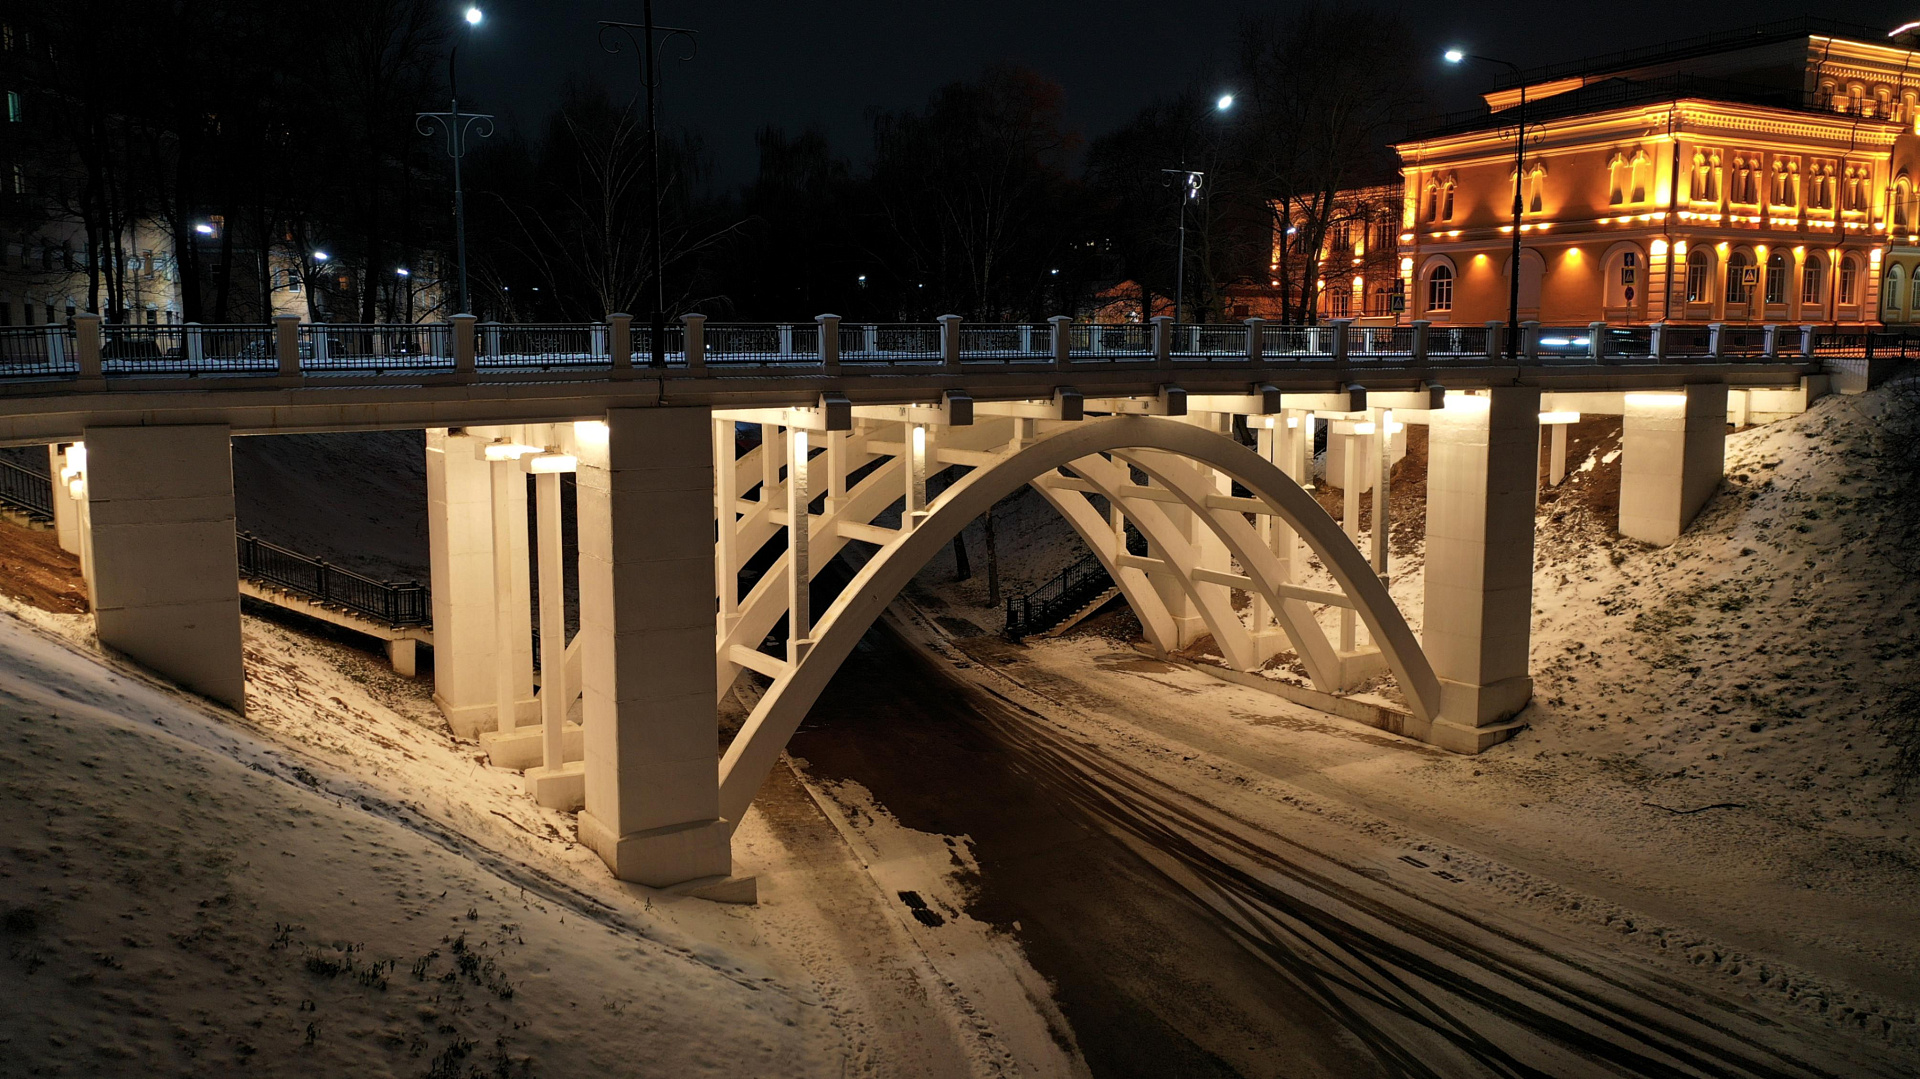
827,64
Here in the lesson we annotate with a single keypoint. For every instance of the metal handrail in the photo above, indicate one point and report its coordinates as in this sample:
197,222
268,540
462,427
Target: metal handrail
1044,605
405,604
23,488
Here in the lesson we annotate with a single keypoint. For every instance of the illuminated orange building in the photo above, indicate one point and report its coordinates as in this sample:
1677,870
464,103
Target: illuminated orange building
1763,176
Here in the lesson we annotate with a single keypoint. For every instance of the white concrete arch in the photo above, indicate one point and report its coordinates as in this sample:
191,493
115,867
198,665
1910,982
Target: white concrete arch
757,747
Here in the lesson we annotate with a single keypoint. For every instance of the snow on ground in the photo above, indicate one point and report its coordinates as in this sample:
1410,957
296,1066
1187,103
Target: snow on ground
1698,774
183,898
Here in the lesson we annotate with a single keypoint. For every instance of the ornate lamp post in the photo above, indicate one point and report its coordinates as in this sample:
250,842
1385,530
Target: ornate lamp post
1191,183
640,36
456,124
1455,56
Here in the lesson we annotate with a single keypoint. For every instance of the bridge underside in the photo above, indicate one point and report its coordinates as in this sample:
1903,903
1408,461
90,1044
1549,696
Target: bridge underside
673,520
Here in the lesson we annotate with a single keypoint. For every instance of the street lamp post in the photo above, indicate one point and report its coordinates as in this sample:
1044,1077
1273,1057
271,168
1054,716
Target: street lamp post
456,124
1455,56
1191,182
646,50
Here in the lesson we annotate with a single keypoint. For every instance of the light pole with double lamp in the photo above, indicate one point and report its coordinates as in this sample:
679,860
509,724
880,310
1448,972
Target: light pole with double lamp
1455,56
456,124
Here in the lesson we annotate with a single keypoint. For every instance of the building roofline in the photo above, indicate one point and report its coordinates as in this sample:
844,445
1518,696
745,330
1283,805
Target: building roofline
1719,41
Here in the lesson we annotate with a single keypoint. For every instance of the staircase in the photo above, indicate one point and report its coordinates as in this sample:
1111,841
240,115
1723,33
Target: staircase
26,497
1068,597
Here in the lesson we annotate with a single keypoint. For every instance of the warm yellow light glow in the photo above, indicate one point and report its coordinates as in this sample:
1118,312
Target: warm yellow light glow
1406,237
1293,422
1680,247
77,455
1722,247
919,440
1267,422
1573,254
541,464
591,432
77,488
1480,259
1406,264
1359,279
1799,249
508,451
1559,417
1873,256
1658,247
1656,400
1460,401
1365,427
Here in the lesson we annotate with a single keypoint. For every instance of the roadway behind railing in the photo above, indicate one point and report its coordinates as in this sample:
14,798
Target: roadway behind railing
97,354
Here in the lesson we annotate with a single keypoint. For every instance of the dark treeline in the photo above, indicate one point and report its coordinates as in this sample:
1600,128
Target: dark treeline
294,129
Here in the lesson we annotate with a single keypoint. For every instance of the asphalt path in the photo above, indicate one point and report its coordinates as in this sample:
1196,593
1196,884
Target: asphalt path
1186,940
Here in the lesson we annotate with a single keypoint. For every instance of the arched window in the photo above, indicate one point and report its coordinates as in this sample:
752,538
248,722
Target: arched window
1739,277
1618,176
1446,198
1339,300
1882,102
1536,188
1699,276
1828,95
1813,281
1913,302
1890,291
1857,99
1642,175
1902,193
1849,280
1776,278
1440,288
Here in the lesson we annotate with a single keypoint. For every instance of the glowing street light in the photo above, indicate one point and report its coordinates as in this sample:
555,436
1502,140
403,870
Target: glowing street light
1225,102
403,272
203,229
474,16
320,256
1455,56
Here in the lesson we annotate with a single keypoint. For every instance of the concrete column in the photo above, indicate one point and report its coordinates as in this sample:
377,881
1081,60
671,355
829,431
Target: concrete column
1256,339
1482,463
696,341
464,347
286,344
165,587
1162,339
829,343
950,341
1673,454
646,619
66,508
1422,330
620,341
86,340
460,553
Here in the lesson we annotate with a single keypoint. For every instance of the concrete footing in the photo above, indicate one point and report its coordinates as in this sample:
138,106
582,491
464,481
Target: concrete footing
1673,455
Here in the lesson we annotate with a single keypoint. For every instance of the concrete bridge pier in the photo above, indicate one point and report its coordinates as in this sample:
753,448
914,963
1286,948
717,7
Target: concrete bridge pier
1673,456
461,519
647,602
1483,458
159,503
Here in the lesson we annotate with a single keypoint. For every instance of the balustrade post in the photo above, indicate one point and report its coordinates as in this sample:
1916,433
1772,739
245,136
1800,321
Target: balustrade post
1806,342
1657,342
324,582
1422,330
463,344
86,341
1256,340
286,344
196,348
318,333
1597,342
1770,340
1026,339
785,333
1193,340
696,341
1530,341
1342,338
620,340
1163,340
829,343
492,337
56,346
1716,339
870,339
1061,327
1496,340
950,341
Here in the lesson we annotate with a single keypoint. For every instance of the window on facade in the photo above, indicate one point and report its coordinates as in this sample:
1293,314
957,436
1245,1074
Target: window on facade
1820,185
1849,279
1913,302
1536,188
19,180
1883,102
293,281
1433,200
1704,182
1642,176
1440,289
1699,276
1857,178
1338,300
1890,291
1619,175
1902,193
13,106
1740,274
1746,179
1785,183
1776,278
1856,99
6,36
1812,280
1446,199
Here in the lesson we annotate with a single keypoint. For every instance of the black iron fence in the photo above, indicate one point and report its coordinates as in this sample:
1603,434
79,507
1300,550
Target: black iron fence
25,489
1051,601
407,604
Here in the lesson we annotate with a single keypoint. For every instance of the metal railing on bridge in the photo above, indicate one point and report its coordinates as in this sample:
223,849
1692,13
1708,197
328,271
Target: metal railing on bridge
95,354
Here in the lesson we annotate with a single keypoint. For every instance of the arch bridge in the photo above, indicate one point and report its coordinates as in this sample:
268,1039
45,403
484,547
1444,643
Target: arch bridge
693,556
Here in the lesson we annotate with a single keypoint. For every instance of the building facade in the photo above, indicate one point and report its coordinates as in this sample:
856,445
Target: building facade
1769,179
